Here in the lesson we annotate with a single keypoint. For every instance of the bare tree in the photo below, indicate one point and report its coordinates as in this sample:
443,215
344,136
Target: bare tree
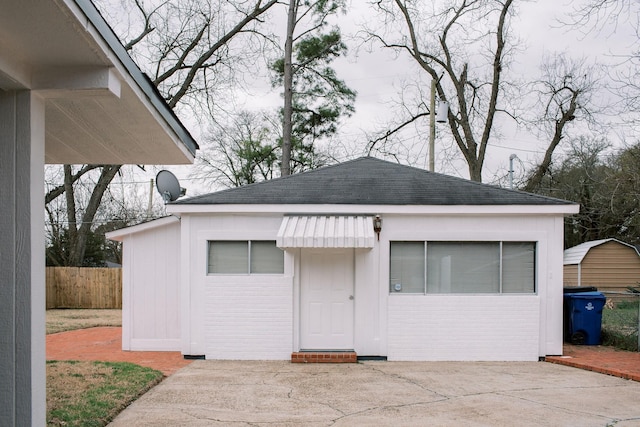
242,152
565,92
436,40
606,17
466,48
189,48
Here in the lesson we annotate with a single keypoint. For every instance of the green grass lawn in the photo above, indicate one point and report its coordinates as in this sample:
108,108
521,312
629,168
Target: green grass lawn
620,326
93,393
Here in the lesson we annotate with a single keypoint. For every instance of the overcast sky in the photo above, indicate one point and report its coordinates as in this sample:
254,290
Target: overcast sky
376,78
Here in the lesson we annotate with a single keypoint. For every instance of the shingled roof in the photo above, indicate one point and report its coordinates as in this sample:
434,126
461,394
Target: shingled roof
371,181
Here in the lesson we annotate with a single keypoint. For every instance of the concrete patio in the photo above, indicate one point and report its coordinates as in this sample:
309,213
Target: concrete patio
243,393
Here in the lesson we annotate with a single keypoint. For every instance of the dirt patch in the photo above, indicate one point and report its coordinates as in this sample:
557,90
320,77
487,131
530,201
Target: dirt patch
60,320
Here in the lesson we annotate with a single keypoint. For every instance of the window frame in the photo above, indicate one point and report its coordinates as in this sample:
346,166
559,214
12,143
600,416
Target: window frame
248,258
501,243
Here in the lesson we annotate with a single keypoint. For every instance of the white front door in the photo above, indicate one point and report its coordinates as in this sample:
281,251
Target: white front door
326,299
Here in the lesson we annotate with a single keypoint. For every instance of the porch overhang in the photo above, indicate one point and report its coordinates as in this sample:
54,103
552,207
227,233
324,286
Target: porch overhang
100,108
326,231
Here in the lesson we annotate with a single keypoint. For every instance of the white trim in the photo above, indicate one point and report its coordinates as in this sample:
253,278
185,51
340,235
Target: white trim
452,210
120,234
326,231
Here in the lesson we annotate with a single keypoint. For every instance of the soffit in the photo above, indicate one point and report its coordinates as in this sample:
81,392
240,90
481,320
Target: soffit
99,107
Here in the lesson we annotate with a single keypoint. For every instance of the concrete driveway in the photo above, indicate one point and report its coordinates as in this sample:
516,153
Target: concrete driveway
239,393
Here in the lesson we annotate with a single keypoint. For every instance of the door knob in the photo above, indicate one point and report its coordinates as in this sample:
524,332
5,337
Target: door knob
351,297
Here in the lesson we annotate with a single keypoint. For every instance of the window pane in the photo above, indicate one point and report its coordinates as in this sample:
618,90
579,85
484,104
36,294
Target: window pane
463,267
266,258
518,267
228,257
407,267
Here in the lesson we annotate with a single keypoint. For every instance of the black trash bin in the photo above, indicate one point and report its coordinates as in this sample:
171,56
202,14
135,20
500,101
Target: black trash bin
583,317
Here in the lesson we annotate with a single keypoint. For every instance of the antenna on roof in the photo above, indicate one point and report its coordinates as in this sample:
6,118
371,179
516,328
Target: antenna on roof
168,186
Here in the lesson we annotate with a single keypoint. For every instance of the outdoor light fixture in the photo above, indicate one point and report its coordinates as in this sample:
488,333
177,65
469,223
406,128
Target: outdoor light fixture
377,225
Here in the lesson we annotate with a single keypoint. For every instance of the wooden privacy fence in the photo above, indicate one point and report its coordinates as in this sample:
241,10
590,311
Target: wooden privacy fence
84,287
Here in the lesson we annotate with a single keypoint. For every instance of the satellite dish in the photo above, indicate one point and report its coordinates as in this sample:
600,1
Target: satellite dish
168,186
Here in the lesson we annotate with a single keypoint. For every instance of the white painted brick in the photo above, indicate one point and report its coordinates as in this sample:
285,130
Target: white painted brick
461,327
248,319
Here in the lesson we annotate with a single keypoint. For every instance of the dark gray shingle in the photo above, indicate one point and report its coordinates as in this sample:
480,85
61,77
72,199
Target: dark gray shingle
371,181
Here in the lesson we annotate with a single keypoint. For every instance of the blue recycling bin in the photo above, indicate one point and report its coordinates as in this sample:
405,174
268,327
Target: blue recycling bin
584,316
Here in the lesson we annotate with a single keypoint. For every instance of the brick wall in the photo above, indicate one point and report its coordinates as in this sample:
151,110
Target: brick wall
248,318
460,327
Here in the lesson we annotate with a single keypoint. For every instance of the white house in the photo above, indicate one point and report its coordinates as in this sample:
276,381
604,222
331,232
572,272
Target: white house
367,256
69,93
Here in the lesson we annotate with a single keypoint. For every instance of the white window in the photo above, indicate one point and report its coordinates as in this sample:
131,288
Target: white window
407,267
245,257
462,267
518,267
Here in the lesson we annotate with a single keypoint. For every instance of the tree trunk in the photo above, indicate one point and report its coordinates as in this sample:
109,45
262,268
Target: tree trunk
78,234
287,125
534,181
71,214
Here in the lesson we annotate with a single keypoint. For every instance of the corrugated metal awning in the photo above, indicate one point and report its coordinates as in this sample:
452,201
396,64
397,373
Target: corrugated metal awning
326,231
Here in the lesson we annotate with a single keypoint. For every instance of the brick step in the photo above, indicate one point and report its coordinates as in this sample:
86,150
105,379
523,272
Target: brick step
324,357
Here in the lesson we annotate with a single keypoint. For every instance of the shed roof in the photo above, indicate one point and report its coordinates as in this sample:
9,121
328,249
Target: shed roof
576,254
371,181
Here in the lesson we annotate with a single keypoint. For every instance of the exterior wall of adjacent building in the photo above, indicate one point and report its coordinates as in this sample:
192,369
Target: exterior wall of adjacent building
234,316
257,317
482,326
611,266
571,275
151,315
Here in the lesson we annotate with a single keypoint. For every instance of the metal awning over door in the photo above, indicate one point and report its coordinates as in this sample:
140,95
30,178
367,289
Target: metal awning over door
326,231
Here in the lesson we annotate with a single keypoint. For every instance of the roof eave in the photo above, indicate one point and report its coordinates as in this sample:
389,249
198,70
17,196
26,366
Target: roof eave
120,234
145,85
461,210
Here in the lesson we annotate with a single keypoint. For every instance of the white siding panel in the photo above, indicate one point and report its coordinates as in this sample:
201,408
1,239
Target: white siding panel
151,314
463,328
248,318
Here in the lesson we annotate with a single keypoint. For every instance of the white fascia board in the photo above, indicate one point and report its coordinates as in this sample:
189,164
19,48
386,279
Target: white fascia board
462,210
119,235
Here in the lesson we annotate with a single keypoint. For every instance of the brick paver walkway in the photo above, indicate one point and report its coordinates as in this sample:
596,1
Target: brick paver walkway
105,344
603,359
